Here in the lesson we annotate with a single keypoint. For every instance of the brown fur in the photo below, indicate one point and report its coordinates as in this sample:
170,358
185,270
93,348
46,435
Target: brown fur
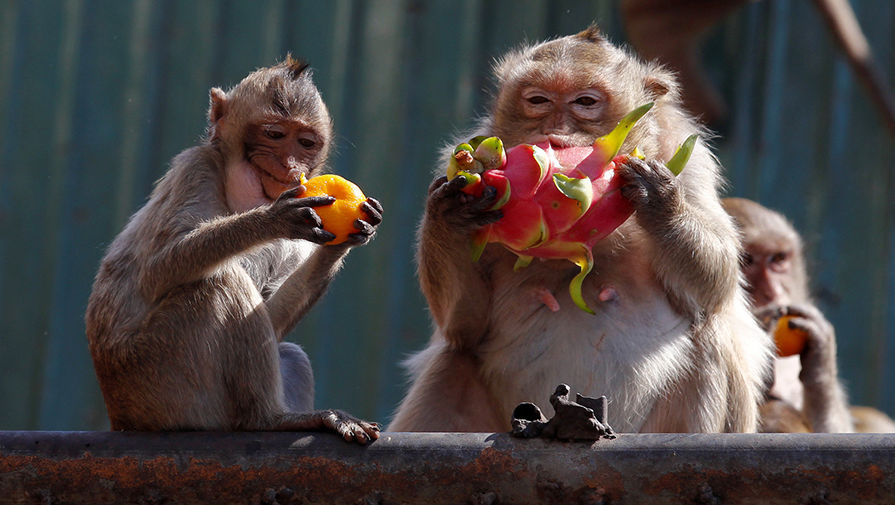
774,268
675,350
194,297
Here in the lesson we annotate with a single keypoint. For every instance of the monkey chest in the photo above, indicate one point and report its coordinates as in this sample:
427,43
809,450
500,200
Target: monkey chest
632,349
270,265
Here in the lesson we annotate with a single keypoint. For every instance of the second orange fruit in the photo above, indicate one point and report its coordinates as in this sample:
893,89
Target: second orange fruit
790,341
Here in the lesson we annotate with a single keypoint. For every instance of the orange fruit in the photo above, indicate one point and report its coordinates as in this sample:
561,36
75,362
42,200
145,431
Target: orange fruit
338,217
790,341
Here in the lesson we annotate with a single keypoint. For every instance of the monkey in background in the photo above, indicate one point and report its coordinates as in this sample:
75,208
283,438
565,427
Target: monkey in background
807,395
193,298
672,345
668,32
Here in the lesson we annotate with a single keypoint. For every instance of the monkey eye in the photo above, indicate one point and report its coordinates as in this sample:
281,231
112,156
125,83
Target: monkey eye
778,261
585,100
537,99
307,140
274,133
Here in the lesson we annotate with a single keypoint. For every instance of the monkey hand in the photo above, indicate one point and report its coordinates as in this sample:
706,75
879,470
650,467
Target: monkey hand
819,355
366,227
295,218
448,204
651,188
768,315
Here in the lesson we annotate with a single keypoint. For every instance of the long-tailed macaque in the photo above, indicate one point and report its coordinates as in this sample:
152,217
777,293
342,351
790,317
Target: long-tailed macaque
192,300
672,344
806,395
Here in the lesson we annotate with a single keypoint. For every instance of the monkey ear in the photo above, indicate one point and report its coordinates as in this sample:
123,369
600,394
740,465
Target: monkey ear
591,34
217,108
657,87
660,82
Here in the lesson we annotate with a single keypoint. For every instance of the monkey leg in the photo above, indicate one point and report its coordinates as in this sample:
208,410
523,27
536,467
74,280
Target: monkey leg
449,395
298,378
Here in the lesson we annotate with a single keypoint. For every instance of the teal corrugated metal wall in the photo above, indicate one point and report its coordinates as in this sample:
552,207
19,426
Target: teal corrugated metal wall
97,96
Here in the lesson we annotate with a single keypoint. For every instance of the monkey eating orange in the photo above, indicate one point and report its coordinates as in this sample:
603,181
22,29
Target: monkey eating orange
338,217
790,341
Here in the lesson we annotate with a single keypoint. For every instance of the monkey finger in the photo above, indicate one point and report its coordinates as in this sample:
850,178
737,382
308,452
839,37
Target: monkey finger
635,193
374,214
653,173
364,227
649,169
437,183
770,313
357,240
365,431
456,184
636,166
319,236
372,432
313,201
351,431
489,197
804,310
486,218
305,216
291,193
375,204
816,333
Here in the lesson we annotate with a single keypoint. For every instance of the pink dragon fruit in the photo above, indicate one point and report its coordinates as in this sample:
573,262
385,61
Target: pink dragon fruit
556,203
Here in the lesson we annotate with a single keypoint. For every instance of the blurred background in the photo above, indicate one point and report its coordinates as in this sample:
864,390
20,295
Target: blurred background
97,96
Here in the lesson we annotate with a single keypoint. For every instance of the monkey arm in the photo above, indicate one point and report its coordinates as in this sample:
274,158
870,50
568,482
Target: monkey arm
190,239
309,281
825,404
182,253
696,247
304,287
455,286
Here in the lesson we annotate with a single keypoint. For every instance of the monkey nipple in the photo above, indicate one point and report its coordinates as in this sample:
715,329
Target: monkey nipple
546,297
608,294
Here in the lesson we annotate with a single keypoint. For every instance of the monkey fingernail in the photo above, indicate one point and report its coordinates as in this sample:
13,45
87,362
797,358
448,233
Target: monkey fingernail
374,203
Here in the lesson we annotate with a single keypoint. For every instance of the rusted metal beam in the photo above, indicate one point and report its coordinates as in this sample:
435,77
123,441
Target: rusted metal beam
428,468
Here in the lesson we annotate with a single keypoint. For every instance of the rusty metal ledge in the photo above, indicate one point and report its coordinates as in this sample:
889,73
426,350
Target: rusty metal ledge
429,468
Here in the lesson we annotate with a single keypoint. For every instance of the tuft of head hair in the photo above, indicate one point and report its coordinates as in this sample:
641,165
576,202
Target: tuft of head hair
591,34
759,224
284,90
296,67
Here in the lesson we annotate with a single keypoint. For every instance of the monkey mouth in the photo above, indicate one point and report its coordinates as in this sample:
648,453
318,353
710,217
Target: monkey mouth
274,186
558,142
568,154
